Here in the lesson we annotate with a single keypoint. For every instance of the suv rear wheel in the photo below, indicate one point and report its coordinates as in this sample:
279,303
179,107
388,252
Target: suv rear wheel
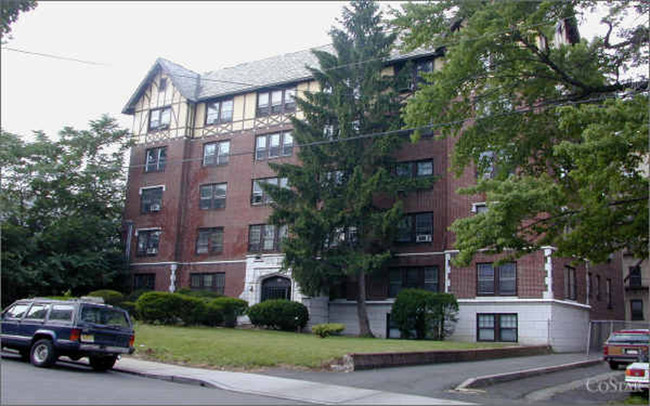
102,363
43,354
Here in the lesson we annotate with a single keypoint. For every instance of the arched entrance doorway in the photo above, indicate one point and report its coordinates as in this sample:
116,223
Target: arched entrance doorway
276,287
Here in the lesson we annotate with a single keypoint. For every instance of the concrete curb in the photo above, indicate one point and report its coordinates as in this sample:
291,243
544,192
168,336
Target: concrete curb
483,381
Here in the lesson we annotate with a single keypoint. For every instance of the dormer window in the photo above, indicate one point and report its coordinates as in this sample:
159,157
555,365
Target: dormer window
159,119
219,112
276,101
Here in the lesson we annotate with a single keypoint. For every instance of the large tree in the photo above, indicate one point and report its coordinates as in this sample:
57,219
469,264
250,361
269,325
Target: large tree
61,208
9,11
341,207
556,125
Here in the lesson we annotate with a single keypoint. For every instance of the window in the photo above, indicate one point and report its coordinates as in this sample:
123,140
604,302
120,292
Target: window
414,169
273,145
210,240
416,228
148,241
590,285
496,327
159,119
608,292
413,277
144,281
215,282
570,283
216,153
156,159
162,85
486,165
16,311
61,312
636,309
479,207
342,236
37,312
597,287
259,196
499,281
634,277
276,102
151,199
422,66
265,237
219,112
213,196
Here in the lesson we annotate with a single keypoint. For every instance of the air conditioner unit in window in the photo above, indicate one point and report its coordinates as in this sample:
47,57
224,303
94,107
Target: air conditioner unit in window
152,251
423,238
154,207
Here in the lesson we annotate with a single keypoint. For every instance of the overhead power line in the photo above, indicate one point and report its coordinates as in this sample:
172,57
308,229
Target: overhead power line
64,58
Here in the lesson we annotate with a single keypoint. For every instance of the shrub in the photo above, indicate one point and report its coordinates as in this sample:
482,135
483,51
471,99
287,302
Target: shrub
199,293
213,314
133,296
279,314
422,314
192,309
129,307
161,307
231,307
111,297
324,330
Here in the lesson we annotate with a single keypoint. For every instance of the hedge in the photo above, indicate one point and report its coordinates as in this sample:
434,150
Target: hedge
279,314
422,314
231,309
111,297
327,329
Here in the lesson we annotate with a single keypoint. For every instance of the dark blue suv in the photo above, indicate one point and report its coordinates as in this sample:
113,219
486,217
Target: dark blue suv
43,329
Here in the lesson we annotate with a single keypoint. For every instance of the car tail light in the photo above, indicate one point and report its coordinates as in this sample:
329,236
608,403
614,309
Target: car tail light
75,333
634,372
131,340
605,350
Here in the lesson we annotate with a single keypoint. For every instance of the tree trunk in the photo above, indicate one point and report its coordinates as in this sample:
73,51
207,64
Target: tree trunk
362,311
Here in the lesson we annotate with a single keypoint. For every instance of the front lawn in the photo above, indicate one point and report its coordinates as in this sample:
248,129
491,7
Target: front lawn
249,349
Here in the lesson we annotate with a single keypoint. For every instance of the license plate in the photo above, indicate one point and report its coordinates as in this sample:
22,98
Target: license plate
632,352
88,338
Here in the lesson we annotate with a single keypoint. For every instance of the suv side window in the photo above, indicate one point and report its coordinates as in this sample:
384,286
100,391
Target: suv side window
38,312
61,312
16,311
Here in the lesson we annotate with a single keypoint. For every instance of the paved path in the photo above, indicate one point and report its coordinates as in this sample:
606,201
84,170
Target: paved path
284,388
434,380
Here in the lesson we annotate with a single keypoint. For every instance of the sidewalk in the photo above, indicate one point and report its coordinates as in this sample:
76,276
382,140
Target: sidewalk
277,387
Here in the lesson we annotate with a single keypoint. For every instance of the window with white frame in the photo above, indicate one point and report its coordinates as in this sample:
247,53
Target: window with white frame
259,196
213,196
415,228
265,237
496,327
148,242
218,112
276,101
498,280
213,281
155,159
273,145
159,119
216,153
209,240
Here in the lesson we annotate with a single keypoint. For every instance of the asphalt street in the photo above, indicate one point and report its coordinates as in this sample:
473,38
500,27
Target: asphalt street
75,384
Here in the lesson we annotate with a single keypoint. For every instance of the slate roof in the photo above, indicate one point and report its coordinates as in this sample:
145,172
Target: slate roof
245,77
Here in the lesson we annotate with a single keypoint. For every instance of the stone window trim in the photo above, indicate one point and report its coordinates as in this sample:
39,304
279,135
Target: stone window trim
479,207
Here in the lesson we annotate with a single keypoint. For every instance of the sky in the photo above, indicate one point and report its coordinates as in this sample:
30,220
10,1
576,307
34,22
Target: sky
123,40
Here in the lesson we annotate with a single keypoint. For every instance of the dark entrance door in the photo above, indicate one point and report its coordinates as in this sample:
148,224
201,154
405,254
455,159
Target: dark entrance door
276,287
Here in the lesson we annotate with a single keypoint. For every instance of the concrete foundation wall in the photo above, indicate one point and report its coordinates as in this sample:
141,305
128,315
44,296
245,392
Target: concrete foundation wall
345,312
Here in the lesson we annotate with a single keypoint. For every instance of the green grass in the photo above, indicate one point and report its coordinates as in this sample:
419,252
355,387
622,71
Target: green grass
250,349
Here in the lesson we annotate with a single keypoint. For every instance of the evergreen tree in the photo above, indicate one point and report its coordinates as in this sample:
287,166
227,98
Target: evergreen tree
558,129
342,207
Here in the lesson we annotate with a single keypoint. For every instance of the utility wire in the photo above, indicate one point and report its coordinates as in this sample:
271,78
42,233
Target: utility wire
65,58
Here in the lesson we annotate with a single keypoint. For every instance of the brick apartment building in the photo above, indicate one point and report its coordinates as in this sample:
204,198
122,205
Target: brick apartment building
196,215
